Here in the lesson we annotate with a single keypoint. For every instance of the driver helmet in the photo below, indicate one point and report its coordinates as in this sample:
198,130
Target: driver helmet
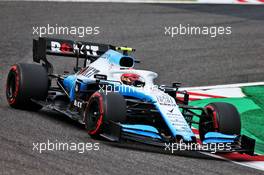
132,79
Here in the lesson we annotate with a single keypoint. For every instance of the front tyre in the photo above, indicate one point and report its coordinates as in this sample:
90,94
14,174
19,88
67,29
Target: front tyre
24,83
101,109
221,117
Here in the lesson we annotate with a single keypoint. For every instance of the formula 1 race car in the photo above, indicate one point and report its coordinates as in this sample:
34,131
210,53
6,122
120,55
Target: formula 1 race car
117,102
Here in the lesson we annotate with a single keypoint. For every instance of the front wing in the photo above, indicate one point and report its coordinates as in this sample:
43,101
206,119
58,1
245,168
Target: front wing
214,142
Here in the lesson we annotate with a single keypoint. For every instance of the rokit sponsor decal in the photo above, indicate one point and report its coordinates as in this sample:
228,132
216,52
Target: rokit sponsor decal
64,47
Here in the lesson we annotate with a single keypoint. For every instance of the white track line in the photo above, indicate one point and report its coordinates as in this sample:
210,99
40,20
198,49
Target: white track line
223,86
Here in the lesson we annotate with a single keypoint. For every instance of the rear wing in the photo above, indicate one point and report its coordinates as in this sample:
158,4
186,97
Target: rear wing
49,46
68,48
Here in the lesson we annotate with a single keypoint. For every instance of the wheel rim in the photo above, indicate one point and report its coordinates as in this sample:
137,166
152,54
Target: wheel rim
11,86
94,113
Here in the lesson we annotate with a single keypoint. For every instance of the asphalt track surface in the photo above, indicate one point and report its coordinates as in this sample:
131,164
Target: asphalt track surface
195,60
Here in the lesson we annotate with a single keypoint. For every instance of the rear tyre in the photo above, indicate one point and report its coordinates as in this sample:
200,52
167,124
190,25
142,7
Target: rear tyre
26,82
222,117
101,109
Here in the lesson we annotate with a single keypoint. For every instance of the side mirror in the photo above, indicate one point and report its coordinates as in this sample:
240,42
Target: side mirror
176,85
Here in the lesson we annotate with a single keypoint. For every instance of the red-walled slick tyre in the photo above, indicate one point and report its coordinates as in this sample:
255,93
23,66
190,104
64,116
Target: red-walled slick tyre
24,83
222,117
101,108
